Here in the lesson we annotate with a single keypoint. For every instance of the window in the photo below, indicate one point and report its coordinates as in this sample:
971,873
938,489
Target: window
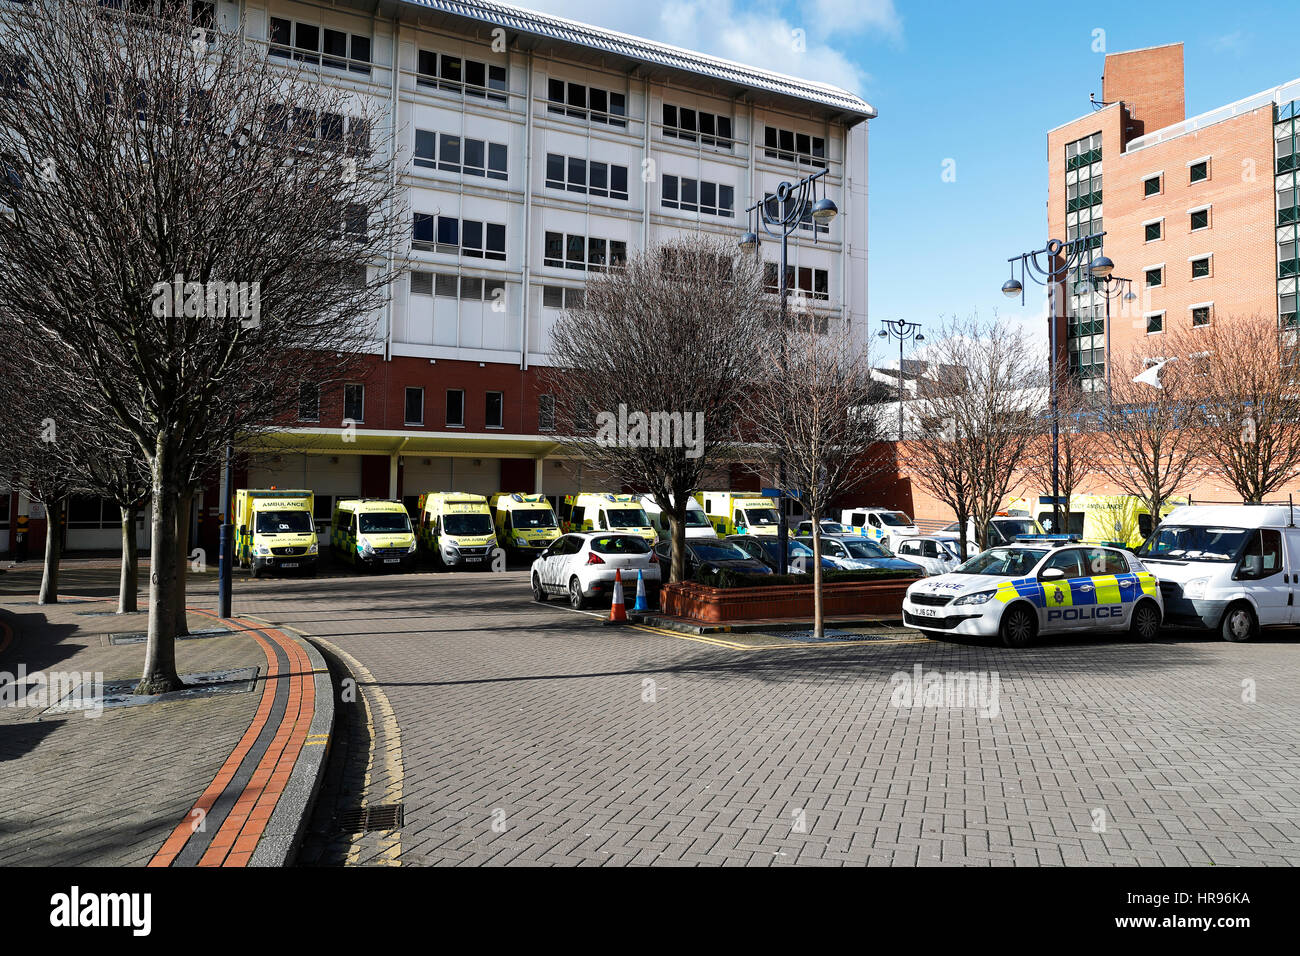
577,175
581,102
1151,185
455,408
354,403
1154,230
494,412
469,237
806,282
421,283
546,413
1155,322
710,129
414,406
454,74
1199,171
455,154
582,252
1201,267
308,402
1200,316
1155,276
1262,557
692,195
307,41
1200,219
791,147
558,297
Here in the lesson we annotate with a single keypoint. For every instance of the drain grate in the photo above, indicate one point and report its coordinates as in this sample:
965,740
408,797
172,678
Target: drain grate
382,816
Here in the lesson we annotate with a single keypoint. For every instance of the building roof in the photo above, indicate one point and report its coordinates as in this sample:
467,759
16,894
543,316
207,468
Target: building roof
546,27
1278,95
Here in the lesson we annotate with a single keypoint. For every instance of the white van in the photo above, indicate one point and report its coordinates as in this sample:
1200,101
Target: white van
1230,568
880,524
697,522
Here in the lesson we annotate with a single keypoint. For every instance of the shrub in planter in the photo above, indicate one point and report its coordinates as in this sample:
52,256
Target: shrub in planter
726,578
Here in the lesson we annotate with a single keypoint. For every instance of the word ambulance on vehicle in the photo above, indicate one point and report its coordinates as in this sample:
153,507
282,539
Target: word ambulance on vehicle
455,529
739,512
607,512
275,530
880,524
525,524
1044,586
372,532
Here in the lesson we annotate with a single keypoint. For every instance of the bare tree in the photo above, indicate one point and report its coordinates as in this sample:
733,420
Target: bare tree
195,228
1155,432
979,418
1079,446
653,368
813,411
1244,375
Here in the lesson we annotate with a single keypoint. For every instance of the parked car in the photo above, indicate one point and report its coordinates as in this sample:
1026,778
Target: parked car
828,527
1003,529
768,550
582,565
938,554
852,552
712,555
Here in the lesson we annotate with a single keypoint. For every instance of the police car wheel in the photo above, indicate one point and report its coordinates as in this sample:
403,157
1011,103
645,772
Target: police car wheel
1018,628
1239,624
539,592
1145,625
576,599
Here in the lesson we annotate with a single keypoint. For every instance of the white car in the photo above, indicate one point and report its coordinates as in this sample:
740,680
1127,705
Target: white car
852,552
936,553
582,565
1021,591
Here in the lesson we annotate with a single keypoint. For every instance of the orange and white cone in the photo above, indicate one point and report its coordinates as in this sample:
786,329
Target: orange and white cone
617,611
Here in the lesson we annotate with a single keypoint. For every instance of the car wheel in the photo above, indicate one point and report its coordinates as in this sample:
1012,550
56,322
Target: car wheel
1019,627
1239,624
539,592
576,599
1145,625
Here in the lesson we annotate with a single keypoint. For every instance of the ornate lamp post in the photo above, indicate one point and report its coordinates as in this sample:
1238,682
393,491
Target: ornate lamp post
1111,287
901,330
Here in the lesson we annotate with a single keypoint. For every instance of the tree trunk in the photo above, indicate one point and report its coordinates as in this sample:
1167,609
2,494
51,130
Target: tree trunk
159,675
130,580
962,521
679,545
819,620
53,552
184,501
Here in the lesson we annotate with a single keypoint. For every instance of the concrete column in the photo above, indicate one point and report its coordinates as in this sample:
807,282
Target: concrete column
539,466
392,474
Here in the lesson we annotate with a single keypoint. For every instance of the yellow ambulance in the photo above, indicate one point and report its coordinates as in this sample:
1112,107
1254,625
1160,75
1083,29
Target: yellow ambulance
525,524
275,530
372,532
740,512
456,529
606,512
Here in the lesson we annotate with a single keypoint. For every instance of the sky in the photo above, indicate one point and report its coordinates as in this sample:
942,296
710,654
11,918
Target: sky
968,89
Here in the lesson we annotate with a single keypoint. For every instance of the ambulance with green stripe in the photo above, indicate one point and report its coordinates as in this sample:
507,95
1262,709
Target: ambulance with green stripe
456,530
372,532
525,523
1040,584
275,530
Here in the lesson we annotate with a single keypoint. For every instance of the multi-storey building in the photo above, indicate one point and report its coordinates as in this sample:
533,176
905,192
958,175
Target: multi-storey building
535,151
1199,213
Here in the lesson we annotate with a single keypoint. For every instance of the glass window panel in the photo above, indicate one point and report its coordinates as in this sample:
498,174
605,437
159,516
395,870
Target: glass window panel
554,170
599,100
496,240
449,152
475,73
577,175
618,182
554,248
474,156
552,297
497,161
596,252
575,252
448,231
450,68
599,178
472,237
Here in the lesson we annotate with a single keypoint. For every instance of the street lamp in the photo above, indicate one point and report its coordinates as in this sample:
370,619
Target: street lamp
901,330
1058,258
1110,286
779,216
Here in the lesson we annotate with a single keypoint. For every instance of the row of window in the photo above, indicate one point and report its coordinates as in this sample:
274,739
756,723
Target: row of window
692,195
1200,319
313,43
460,75
1198,219
587,102
582,252
354,406
469,237
1200,268
465,288
589,177
709,129
461,154
805,281
1197,172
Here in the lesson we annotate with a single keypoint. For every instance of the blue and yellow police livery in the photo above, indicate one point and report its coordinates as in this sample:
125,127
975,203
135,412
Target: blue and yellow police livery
1039,587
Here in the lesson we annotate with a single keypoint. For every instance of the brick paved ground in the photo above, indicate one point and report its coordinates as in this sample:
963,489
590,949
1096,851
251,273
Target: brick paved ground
584,744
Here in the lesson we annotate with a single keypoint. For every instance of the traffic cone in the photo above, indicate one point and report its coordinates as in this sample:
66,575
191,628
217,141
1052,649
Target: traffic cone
617,612
640,593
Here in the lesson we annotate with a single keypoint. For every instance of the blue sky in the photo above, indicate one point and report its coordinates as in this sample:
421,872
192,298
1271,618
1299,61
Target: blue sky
977,83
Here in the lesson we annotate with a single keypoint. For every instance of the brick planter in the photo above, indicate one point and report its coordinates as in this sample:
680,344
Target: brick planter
708,605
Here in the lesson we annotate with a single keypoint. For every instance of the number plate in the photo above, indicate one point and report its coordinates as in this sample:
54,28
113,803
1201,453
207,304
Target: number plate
392,560
471,560
289,564
925,611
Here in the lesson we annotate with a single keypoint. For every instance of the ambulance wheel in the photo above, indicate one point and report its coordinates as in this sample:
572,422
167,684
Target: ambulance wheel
253,569
576,599
539,592
1239,624
1019,627
1145,625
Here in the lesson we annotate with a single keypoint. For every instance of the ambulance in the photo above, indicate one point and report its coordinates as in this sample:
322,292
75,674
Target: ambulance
456,529
740,512
372,532
525,524
697,522
880,524
275,530
1122,521
606,512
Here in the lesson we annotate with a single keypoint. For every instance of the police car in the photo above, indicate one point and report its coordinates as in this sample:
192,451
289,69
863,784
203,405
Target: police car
1040,584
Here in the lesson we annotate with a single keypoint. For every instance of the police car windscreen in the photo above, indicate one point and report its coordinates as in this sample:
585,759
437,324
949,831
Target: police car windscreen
1003,562
627,518
533,518
895,519
1191,543
385,522
283,522
866,549
471,524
